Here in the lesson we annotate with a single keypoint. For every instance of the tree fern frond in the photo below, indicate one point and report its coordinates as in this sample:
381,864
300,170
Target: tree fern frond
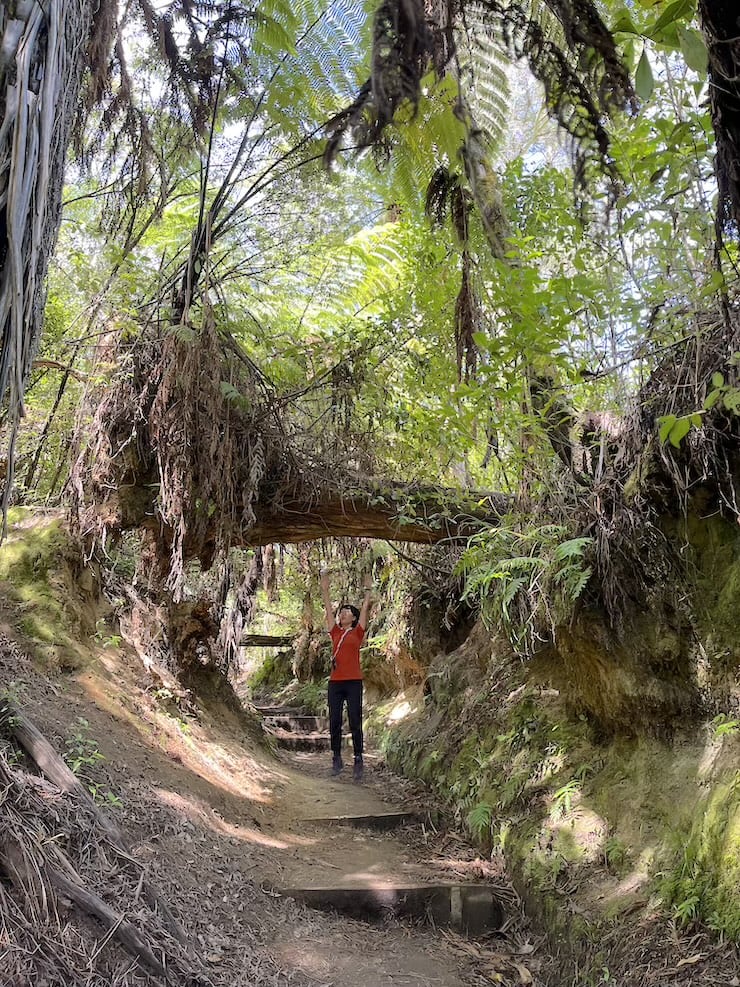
483,63
571,51
403,47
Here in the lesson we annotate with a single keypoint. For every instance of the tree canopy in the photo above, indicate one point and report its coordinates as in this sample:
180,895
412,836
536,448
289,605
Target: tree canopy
474,303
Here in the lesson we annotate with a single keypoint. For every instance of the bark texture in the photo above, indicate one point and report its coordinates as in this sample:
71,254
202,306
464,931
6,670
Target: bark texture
42,56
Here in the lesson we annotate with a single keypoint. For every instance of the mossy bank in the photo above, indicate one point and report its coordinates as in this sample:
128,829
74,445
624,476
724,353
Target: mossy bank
595,829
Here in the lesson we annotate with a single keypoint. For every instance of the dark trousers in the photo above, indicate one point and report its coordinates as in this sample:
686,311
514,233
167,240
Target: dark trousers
351,692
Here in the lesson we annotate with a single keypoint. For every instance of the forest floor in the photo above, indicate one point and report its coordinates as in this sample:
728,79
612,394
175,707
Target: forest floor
221,822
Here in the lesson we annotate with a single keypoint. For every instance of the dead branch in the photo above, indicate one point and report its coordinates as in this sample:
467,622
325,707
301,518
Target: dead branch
53,767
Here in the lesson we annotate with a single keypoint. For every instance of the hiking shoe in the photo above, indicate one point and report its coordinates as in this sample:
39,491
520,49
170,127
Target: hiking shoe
358,770
336,765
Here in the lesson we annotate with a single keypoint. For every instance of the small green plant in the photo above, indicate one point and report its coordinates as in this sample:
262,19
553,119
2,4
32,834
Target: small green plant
107,640
687,910
723,394
565,796
615,853
724,726
82,754
675,428
479,819
10,698
525,580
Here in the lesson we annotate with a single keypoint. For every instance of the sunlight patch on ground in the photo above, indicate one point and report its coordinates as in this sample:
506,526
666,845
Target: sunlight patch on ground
709,758
574,831
185,741
368,879
199,812
306,958
397,709
632,889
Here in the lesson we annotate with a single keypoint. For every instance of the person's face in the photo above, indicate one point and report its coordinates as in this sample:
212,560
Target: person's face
345,618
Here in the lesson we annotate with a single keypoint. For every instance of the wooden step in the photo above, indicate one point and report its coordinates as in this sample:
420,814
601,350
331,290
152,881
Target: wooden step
298,724
300,741
375,820
276,710
472,908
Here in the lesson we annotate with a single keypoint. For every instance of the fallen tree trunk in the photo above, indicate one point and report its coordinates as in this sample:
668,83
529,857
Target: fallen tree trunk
423,516
266,641
395,512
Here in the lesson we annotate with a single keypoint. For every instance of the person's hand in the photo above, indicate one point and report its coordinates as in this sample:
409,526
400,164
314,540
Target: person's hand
367,581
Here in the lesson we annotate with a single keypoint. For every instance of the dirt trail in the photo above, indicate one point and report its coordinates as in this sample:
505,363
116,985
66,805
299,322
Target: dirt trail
346,952
220,823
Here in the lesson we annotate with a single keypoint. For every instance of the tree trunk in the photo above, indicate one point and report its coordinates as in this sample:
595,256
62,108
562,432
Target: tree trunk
394,512
430,518
42,57
719,19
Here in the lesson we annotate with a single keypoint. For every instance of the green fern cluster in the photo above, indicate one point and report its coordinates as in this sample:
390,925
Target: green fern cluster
526,581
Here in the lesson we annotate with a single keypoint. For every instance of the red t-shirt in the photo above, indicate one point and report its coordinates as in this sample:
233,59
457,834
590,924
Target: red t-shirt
345,647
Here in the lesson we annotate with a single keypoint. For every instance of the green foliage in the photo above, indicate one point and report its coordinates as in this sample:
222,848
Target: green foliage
104,637
311,696
83,756
273,674
616,854
723,394
675,428
525,580
479,820
564,797
724,726
702,882
35,571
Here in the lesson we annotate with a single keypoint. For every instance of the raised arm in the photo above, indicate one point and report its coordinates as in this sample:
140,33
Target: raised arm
367,600
328,612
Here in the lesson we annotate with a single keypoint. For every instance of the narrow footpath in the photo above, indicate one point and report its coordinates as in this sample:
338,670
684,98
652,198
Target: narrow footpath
224,830
406,904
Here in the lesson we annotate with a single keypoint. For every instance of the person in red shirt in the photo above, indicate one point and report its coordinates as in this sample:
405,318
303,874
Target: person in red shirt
347,631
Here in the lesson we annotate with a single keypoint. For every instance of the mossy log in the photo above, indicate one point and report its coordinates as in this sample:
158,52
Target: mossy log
424,516
266,641
396,512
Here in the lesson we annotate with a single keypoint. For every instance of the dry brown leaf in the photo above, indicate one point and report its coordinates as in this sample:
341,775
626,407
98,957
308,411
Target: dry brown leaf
524,975
689,960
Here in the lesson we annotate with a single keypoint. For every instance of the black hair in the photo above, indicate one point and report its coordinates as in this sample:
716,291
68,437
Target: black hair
355,612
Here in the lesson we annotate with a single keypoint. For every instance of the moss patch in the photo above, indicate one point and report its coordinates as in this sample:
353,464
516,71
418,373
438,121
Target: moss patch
593,831
705,874
37,574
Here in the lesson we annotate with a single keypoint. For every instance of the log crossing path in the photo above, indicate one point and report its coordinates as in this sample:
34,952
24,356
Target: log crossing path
375,863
